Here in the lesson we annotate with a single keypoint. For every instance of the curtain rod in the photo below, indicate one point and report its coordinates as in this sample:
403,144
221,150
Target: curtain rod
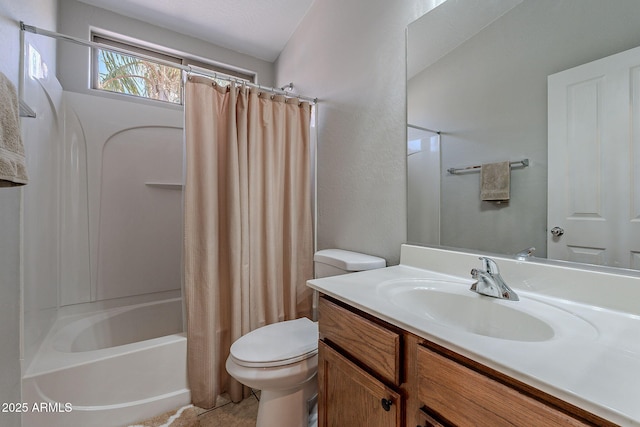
187,68
425,129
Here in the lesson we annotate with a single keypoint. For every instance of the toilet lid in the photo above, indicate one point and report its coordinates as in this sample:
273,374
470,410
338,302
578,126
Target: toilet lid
277,344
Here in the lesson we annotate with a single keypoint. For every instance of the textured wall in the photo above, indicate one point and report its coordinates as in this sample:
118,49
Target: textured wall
351,54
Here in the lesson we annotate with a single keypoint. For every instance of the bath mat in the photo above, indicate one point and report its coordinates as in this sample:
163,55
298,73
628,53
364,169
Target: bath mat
227,414
187,416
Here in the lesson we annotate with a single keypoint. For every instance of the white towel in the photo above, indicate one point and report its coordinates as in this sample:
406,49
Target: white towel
13,170
495,181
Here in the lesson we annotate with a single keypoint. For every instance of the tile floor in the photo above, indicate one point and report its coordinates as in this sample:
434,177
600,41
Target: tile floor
229,414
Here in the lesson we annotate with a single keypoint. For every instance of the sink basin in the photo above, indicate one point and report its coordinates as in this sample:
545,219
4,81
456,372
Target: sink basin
452,304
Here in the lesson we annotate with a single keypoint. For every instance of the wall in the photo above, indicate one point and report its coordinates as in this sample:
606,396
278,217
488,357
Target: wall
121,234
352,56
489,98
78,19
42,13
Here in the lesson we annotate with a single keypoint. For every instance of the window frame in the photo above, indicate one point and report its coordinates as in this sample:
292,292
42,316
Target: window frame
181,60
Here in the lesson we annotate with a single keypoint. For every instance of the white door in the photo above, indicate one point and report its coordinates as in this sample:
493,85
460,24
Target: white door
594,162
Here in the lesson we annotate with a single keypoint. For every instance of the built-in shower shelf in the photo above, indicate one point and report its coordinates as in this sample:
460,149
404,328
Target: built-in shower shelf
165,185
26,111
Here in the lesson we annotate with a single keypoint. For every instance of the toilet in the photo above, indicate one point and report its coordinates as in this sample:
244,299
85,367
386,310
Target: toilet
281,359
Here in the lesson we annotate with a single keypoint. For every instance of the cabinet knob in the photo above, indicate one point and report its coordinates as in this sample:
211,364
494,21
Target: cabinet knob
386,404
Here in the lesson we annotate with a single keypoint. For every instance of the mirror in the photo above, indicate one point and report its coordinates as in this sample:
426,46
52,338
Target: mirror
477,73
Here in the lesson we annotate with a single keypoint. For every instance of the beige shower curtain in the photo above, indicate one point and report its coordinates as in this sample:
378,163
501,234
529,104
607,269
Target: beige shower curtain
248,237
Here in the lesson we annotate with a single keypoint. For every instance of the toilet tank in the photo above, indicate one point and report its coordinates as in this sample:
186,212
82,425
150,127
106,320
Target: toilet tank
332,262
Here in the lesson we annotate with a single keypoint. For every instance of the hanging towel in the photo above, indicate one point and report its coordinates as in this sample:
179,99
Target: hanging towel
495,181
12,163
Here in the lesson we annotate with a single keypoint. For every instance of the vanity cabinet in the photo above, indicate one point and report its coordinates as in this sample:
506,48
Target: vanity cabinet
358,370
375,374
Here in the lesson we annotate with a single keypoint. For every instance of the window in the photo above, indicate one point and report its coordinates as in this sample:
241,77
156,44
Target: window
150,75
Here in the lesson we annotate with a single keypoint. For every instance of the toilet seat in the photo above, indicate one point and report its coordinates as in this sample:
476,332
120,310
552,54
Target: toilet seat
277,344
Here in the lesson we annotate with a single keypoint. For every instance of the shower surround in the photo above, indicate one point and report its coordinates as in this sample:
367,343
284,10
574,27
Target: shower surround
102,254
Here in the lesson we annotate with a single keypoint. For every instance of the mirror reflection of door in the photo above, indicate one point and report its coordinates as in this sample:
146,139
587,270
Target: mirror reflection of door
593,191
423,185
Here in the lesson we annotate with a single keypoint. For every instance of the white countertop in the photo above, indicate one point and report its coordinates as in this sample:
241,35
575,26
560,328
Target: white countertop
596,368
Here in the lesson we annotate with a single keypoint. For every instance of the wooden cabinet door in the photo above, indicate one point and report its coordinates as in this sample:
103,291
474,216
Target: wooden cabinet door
348,396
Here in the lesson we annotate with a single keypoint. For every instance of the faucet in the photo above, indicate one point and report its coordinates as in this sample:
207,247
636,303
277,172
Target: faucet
525,253
490,283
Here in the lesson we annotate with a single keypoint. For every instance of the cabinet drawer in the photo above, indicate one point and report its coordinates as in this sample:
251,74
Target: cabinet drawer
375,346
465,397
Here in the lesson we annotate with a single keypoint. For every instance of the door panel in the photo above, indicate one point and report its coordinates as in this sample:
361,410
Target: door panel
594,157
349,396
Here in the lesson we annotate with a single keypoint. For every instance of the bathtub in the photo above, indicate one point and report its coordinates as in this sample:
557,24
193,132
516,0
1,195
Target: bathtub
109,368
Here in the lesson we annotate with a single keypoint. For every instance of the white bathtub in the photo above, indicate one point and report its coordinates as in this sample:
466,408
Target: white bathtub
110,368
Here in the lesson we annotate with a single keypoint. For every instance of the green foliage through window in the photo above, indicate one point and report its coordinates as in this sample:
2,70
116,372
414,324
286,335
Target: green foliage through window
139,77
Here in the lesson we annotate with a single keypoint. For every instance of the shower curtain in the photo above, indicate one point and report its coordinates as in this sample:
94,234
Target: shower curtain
248,239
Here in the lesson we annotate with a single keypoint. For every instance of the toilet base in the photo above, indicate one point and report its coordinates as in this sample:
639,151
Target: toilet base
287,408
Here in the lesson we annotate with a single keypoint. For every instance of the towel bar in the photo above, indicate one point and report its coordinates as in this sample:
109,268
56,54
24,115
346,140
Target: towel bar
165,185
524,163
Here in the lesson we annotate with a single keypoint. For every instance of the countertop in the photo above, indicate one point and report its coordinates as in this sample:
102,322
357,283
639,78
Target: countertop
595,367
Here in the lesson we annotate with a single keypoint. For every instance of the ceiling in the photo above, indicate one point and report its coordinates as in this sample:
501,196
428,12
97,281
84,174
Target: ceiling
260,28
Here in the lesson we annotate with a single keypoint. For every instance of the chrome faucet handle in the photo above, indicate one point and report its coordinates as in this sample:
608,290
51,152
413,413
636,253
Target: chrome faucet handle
489,265
490,283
